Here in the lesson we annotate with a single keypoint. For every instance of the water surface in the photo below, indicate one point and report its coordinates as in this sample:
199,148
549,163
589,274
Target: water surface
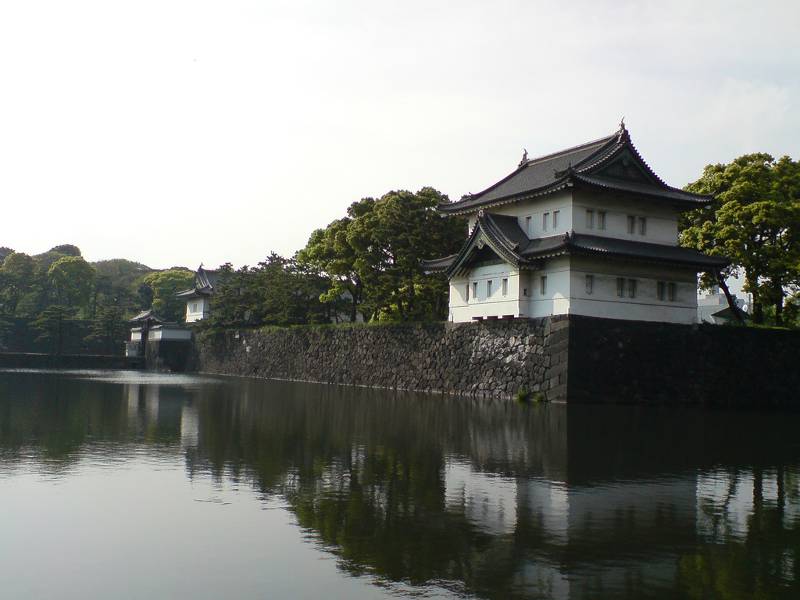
133,485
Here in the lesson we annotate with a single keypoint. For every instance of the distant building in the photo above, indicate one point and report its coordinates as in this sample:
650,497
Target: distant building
146,327
712,307
590,230
198,298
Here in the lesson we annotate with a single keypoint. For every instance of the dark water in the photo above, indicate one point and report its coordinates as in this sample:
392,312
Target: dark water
134,486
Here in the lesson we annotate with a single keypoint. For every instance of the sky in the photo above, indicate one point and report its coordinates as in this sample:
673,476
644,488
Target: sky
180,132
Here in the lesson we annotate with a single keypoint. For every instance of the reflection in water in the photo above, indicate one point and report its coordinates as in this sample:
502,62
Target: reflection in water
436,495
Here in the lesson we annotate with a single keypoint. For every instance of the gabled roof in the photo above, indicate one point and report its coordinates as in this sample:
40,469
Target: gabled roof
507,239
146,315
611,163
501,233
204,281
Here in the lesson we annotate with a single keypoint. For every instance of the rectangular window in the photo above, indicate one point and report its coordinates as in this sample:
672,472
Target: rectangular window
489,288
601,219
589,219
545,219
589,284
555,218
475,290
631,224
660,289
672,292
505,287
631,288
620,287
466,292
642,225
528,226
543,285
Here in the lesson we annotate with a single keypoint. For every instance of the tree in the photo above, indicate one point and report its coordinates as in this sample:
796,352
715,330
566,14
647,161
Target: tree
16,279
164,286
54,325
754,220
72,280
330,252
374,255
278,291
108,328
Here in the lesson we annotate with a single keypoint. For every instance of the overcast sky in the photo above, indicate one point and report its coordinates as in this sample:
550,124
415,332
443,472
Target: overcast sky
175,132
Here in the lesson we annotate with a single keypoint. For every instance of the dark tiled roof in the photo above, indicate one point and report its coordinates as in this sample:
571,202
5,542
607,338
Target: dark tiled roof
146,315
608,246
438,265
576,165
505,237
635,187
204,282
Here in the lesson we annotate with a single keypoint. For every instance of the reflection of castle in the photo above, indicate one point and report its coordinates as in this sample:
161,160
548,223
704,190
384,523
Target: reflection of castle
162,413
590,537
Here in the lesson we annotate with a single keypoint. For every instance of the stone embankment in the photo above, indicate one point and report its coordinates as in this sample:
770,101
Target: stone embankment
493,359
575,359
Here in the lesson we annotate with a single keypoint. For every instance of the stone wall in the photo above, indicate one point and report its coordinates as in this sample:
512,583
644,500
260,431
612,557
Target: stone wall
493,358
576,359
613,361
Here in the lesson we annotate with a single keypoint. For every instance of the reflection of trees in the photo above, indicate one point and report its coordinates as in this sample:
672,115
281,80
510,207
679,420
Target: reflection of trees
597,502
756,559
51,418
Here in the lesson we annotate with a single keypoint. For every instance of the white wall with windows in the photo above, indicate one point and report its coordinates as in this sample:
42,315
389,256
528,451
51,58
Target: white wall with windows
580,286
548,289
633,291
197,309
489,291
624,218
595,214
541,217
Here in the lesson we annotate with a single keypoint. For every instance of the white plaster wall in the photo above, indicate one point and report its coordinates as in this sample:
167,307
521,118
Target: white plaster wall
662,220
560,201
200,313
169,334
555,300
604,302
497,305
136,335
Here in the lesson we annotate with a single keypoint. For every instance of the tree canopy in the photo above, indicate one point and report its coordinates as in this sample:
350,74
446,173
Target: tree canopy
754,221
164,285
372,256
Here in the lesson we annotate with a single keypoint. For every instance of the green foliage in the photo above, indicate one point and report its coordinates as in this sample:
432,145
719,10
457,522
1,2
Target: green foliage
108,328
523,396
372,256
164,285
279,291
4,252
54,324
755,222
72,281
16,280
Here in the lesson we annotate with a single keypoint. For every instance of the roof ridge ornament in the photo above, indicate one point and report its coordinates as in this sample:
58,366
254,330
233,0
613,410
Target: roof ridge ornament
524,157
623,131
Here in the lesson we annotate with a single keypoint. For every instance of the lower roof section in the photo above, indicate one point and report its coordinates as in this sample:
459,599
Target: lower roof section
504,236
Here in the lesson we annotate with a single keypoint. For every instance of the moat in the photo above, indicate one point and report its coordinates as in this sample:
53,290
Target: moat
121,484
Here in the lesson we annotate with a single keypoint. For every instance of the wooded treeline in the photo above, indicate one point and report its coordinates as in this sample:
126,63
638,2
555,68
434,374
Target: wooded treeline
366,265
50,298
